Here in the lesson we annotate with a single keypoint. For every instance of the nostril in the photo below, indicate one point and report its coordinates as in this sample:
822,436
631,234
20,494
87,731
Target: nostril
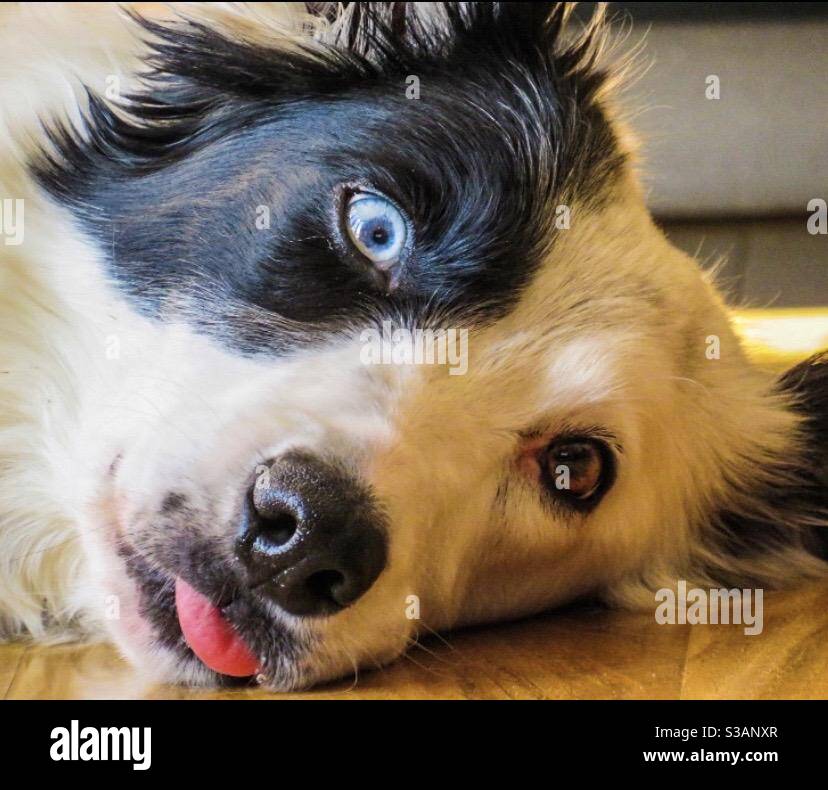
275,530
326,586
311,538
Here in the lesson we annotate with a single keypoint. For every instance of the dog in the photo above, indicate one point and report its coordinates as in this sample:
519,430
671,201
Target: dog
197,460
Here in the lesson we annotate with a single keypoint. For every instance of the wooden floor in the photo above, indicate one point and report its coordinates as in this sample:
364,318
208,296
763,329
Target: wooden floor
573,654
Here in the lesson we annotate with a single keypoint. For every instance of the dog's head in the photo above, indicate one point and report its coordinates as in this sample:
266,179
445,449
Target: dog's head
395,344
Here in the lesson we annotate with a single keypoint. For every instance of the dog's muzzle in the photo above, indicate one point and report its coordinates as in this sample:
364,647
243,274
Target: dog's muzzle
312,539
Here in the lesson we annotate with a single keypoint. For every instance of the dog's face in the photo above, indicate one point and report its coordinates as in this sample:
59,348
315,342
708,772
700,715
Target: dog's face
271,215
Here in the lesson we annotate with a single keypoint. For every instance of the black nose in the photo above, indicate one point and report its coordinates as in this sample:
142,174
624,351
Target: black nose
312,538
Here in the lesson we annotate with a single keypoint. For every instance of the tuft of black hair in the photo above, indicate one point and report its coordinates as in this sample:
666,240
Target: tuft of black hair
807,384
200,83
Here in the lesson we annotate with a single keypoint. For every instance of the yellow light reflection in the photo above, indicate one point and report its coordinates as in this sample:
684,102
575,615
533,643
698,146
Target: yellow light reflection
781,337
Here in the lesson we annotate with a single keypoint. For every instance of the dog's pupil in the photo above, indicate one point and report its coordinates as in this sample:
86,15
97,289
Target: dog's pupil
379,235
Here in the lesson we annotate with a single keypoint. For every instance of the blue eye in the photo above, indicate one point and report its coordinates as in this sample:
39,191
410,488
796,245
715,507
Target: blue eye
376,227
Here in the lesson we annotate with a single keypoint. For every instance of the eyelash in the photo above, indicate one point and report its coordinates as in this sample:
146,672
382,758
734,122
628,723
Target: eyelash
607,449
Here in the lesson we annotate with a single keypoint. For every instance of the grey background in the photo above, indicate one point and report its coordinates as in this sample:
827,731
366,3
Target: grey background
733,176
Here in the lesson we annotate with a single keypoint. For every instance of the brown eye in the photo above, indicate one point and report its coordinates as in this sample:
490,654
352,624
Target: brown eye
577,471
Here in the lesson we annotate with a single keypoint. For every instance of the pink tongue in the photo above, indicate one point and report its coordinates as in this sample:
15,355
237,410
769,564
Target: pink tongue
210,636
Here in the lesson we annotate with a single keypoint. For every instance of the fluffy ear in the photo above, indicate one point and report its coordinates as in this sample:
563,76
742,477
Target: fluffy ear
774,527
807,384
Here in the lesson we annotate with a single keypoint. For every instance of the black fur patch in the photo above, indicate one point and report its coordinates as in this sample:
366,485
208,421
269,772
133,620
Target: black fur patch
172,181
808,383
